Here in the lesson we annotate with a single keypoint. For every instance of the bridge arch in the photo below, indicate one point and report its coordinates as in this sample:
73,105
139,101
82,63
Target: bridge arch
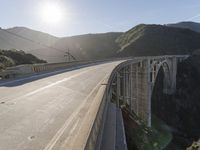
167,80
134,81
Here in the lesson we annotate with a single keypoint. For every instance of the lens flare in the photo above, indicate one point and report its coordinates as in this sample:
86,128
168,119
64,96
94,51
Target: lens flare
52,13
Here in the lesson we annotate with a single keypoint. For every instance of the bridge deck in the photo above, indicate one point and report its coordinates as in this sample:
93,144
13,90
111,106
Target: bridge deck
55,112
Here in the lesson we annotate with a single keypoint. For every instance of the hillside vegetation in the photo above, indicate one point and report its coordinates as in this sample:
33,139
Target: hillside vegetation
14,57
157,40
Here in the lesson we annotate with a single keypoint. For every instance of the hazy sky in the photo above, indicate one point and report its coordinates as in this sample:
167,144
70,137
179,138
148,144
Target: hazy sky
94,16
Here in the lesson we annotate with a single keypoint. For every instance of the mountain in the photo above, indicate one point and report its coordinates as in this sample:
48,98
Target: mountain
89,46
24,39
139,41
35,36
52,49
157,40
187,25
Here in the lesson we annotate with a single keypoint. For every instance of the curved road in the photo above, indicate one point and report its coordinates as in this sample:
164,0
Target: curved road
51,113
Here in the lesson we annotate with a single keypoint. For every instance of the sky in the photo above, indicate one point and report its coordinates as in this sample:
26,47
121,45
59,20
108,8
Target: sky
96,16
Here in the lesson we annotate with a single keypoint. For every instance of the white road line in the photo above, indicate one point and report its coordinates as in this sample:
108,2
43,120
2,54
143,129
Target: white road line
73,128
60,132
46,87
55,83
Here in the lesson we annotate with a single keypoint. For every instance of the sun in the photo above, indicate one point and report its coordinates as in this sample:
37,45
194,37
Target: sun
52,13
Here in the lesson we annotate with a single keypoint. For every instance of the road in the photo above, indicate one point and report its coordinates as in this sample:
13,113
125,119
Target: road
51,113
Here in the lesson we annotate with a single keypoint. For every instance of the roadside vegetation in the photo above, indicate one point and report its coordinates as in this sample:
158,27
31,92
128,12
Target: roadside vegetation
14,57
141,137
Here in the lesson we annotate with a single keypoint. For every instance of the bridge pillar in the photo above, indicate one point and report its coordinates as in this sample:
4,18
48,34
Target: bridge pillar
144,90
133,88
173,75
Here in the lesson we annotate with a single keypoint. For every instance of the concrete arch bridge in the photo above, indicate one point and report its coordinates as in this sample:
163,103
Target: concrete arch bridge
134,81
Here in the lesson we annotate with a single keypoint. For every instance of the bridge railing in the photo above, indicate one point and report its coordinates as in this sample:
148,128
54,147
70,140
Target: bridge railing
29,69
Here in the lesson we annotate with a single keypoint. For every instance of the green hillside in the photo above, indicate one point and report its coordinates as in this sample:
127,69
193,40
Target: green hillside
14,57
157,40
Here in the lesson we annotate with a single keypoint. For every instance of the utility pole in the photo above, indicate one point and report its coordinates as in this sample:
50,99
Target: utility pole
67,55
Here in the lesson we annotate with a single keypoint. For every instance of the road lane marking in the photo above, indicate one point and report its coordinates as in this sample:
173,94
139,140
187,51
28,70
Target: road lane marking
73,129
60,132
48,86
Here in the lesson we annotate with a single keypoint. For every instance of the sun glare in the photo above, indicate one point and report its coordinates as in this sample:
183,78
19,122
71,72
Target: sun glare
52,13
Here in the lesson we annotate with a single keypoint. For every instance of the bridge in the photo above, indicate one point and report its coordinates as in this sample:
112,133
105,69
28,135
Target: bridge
70,108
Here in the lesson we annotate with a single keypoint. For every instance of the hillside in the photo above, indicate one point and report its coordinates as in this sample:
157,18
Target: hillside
186,25
89,46
157,40
14,57
13,39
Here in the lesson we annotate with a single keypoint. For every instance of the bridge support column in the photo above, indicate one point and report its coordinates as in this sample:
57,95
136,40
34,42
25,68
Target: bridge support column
133,88
173,76
144,87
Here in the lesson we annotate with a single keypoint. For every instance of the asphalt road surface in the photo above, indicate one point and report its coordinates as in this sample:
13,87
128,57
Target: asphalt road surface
55,112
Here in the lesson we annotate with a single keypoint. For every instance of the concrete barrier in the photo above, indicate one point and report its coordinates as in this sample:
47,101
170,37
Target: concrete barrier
29,69
95,137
